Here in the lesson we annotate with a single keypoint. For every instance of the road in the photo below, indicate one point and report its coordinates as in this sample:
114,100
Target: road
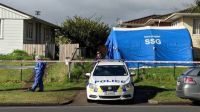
147,108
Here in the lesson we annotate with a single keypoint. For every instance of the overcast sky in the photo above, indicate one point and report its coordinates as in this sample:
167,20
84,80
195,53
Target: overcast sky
56,11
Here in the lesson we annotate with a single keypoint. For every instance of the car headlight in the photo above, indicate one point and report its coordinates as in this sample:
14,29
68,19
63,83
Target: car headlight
127,86
93,86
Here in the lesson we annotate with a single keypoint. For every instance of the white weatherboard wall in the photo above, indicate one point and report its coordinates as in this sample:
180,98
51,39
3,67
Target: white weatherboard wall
6,13
12,35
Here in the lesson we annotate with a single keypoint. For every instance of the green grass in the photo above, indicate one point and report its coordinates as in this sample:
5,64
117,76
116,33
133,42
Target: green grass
165,91
162,79
58,87
13,75
57,72
20,97
159,77
168,96
55,93
11,86
163,85
65,86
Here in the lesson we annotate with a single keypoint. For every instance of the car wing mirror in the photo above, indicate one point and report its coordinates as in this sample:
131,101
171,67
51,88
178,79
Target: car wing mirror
87,74
133,74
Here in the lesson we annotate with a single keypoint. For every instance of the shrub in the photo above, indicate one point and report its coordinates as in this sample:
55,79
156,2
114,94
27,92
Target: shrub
19,53
78,71
16,55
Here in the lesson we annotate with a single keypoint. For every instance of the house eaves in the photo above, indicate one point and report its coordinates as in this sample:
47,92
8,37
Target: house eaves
173,17
179,15
45,22
28,16
15,11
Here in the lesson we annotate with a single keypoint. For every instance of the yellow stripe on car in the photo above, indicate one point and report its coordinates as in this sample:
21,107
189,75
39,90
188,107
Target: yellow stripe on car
119,89
100,90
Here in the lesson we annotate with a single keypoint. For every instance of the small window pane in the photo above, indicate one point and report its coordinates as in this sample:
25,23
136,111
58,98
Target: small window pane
196,26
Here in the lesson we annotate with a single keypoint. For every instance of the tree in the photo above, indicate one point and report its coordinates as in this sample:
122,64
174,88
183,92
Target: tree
88,32
197,2
196,7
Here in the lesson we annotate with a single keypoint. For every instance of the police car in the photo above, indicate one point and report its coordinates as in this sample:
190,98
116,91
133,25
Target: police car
110,80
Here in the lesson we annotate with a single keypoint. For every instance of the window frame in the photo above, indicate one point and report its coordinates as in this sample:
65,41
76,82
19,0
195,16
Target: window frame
29,30
1,29
193,29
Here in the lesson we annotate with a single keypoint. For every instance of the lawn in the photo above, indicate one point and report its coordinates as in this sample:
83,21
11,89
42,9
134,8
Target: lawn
55,93
169,97
36,98
58,89
162,81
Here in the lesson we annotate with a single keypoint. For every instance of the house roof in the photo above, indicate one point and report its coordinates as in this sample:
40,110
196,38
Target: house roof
31,16
193,11
142,20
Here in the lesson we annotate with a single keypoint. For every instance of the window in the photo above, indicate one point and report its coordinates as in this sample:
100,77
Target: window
47,35
196,26
29,31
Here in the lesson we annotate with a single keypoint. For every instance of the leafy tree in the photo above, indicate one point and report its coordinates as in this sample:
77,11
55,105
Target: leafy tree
196,7
88,32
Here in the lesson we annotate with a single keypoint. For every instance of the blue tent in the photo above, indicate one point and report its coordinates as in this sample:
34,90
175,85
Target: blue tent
150,44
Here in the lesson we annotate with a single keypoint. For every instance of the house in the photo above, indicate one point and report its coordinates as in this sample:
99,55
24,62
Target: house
188,18
22,31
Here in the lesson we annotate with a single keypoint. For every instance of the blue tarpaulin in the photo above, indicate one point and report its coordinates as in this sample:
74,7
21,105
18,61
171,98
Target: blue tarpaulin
150,44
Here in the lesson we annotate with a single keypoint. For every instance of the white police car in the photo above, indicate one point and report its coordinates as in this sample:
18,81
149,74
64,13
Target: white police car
110,80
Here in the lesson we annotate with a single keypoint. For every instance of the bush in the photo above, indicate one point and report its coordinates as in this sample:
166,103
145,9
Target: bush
19,53
16,55
79,70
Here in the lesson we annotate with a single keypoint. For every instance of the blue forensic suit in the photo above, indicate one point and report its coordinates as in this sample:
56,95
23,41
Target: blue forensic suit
39,72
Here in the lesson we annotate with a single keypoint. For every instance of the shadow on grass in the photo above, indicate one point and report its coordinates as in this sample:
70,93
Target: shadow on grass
55,90
15,89
145,93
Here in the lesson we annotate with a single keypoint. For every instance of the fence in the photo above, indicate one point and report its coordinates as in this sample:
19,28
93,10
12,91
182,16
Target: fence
79,68
145,68
47,50
67,50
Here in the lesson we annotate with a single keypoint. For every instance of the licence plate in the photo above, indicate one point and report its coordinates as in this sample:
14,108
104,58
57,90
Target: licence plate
110,93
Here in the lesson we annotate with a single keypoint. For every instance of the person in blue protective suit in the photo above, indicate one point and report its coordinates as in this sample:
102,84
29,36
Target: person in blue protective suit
39,73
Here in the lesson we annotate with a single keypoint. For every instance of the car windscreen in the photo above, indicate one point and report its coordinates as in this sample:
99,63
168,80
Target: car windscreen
110,70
